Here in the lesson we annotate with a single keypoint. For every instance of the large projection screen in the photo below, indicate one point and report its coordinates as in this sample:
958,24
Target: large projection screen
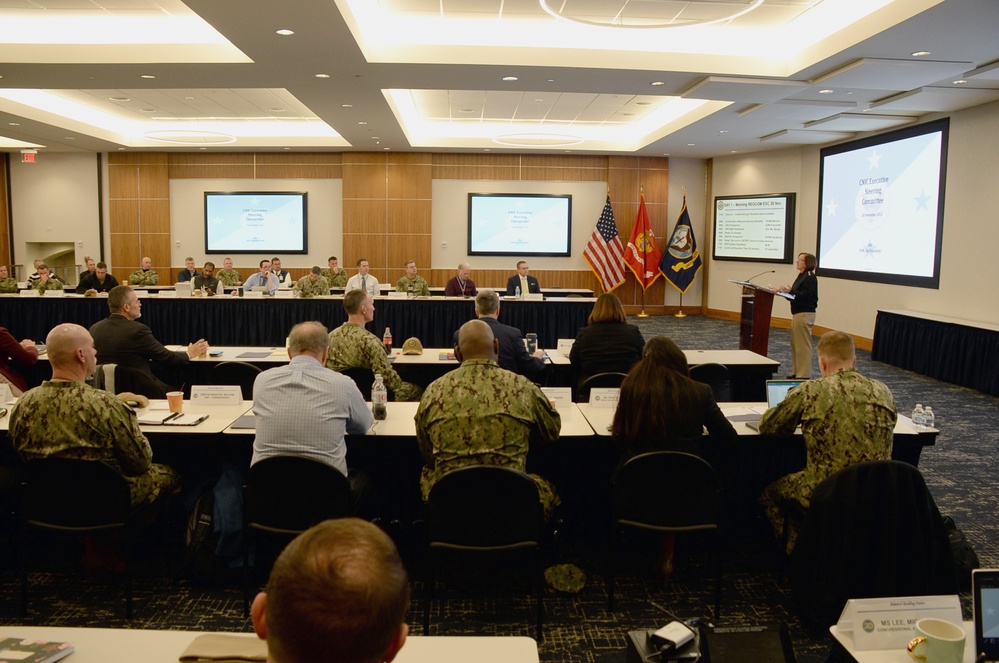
757,228
881,202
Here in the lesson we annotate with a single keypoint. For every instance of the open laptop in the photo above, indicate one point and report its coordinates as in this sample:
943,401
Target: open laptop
776,392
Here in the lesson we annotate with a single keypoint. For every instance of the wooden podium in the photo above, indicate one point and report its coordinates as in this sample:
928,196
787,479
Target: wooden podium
754,323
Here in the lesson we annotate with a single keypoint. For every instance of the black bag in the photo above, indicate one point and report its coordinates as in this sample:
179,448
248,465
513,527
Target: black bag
965,557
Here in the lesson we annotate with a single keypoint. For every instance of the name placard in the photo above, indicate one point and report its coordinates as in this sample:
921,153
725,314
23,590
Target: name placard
564,346
604,397
212,394
561,395
888,623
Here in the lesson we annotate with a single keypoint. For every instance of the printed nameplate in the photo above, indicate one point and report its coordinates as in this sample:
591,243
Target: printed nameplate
561,395
212,394
564,346
888,623
604,397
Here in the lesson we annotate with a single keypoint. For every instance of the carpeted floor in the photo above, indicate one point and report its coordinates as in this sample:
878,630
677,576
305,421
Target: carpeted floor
960,471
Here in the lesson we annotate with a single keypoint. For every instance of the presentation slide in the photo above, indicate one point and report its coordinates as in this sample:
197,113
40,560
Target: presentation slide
519,224
256,222
757,228
881,207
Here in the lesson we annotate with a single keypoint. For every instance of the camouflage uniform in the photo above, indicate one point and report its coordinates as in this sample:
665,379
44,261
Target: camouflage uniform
338,280
481,414
74,420
306,288
143,277
52,284
353,346
845,419
8,284
420,286
229,277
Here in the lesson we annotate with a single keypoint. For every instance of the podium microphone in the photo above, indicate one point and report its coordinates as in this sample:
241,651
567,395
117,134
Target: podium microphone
771,271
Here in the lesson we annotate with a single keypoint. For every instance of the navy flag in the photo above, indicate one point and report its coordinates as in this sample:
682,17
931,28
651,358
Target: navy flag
681,259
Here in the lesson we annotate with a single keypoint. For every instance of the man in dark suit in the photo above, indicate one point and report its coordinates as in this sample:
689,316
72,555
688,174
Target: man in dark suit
522,280
120,340
513,356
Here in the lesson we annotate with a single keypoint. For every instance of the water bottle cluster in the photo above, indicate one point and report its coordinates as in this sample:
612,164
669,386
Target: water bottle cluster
923,418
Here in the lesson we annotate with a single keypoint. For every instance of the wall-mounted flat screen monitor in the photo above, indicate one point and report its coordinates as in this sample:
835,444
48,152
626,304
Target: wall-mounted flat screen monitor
519,224
755,228
256,222
881,202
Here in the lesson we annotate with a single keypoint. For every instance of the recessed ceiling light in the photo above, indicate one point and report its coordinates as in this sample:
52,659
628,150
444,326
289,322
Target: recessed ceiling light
322,75
147,76
346,105
119,98
920,54
960,82
362,123
510,78
284,32
657,83
825,91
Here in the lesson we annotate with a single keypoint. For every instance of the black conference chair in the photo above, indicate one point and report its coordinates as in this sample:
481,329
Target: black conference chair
76,497
669,492
715,376
286,495
237,373
483,510
598,380
872,530
364,378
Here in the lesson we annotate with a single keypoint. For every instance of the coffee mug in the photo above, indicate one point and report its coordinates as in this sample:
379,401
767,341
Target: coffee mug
937,641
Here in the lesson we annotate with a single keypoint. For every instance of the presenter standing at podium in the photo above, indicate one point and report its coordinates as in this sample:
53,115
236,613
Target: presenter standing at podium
806,299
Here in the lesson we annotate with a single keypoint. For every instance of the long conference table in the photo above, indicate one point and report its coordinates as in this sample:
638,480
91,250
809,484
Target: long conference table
266,321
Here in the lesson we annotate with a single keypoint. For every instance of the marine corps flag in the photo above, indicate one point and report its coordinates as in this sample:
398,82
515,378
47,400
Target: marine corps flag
642,255
681,260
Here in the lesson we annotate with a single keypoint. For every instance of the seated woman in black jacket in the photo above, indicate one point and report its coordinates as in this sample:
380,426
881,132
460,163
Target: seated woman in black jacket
607,344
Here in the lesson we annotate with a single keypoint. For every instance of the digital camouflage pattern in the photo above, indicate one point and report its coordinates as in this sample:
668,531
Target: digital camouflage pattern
74,420
353,346
143,277
338,280
305,287
420,286
229,277
8,284
845,418
481,414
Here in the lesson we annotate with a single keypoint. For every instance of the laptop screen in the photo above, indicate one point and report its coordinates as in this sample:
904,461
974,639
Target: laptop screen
777,390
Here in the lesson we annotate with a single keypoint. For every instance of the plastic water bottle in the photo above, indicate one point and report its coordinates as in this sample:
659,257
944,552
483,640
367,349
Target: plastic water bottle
387,340
918,416
379,397
929,419
517,292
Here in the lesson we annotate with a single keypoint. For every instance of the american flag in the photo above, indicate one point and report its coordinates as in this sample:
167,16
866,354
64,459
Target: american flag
604,251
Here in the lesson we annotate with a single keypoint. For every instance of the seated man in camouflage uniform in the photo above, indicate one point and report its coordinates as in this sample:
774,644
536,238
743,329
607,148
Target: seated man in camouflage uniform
334,275
481,414
845,419
67,418
7,282
312,284
412,282
353,346
146,275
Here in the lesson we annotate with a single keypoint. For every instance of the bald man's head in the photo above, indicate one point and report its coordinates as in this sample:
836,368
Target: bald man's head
68,346
476,341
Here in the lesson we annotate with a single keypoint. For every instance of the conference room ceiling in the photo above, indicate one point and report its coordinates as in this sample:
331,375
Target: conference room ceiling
684,78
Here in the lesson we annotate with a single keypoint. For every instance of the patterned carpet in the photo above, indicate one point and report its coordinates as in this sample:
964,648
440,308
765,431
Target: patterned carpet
960,471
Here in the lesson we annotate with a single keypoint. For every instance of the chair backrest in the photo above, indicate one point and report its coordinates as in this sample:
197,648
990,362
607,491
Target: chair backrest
236,372
363,378
667,490
484,506
67,493
872,530
291,494
715,376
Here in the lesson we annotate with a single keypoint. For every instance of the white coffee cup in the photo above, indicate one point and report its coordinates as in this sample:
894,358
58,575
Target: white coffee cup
937,641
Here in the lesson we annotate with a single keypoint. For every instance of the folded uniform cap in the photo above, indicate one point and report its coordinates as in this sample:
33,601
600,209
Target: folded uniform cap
412,346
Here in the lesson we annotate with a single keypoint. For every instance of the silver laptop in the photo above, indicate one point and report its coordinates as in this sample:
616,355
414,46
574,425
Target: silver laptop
776,392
